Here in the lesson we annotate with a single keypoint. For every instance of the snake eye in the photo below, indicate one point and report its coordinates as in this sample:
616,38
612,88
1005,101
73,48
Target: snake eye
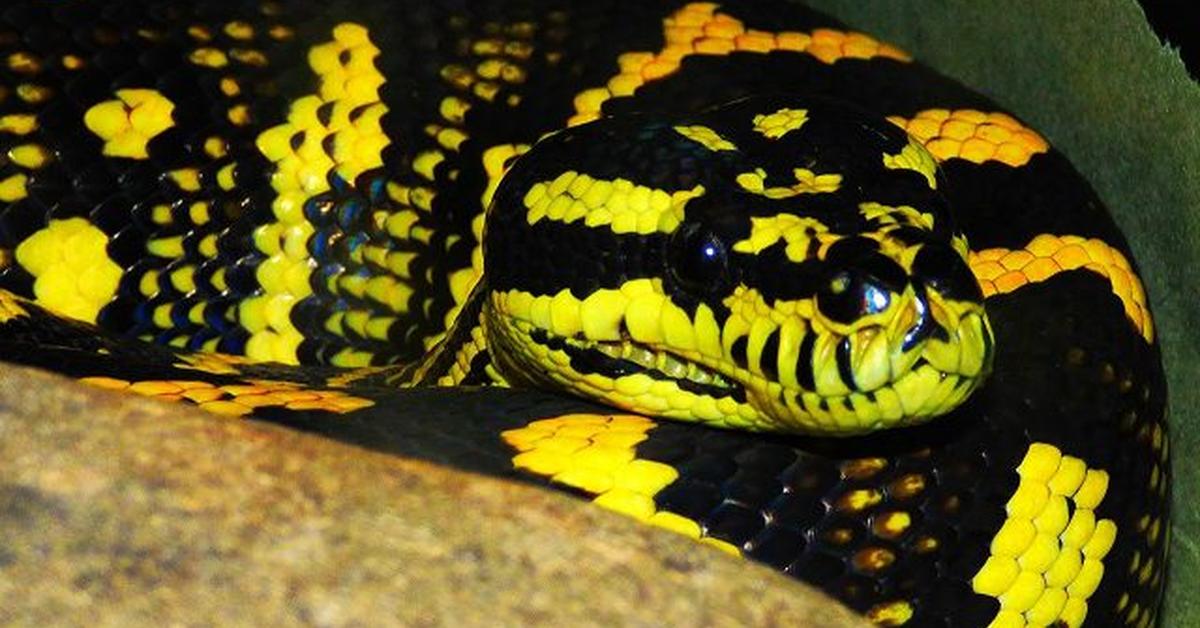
697,259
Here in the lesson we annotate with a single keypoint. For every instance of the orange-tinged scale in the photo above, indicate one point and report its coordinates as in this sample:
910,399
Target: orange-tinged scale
714,46
242,389
1016,260
1071,256
957,129
825,52
977,150
682,34
993,133
152,388
201,395
755,42
260,400
1010,281
944,148
317,404
1041,269
972,116
110,383
795,42
1012,155
226,408
349,404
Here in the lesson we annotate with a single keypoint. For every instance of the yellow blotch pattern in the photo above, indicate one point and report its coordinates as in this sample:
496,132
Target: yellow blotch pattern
976,136
706,137
796,231
129,121
73,274
777,124
1005,270
349,83
618,204
237,399
807,182
1044,563
698,29
597,454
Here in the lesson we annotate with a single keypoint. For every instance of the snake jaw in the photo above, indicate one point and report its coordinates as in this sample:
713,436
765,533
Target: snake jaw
916,363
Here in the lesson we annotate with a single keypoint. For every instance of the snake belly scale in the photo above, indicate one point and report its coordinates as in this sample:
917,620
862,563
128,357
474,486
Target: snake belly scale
808,301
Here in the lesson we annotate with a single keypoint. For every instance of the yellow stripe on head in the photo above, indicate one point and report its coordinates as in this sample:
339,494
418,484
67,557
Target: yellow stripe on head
618,204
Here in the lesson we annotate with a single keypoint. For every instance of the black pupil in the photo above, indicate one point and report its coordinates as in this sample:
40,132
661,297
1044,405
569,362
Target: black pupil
698,260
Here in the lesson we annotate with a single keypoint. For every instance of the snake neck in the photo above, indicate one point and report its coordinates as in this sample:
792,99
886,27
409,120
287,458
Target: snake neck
461,356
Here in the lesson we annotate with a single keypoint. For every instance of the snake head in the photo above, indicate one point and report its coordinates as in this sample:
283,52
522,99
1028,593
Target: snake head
770,264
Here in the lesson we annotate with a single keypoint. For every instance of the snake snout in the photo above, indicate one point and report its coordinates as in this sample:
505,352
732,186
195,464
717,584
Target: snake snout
944,323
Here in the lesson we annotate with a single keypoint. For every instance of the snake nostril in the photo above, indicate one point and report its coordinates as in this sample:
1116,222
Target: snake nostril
942,269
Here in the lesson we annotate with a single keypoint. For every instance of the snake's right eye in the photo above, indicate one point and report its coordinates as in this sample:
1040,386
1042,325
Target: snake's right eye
697,259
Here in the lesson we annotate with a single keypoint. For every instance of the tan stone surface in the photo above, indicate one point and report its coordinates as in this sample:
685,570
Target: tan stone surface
119,511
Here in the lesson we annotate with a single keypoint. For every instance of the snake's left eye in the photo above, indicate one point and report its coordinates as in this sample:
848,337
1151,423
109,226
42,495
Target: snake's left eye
697,259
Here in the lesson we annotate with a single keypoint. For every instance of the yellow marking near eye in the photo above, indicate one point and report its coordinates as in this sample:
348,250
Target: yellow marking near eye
807,182
73,274
775,125
797,232
1043,567
706,137
619,204
129,122
697,29
1001,271
975,136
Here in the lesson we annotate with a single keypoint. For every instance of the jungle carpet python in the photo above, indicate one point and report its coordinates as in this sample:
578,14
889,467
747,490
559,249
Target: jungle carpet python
906,349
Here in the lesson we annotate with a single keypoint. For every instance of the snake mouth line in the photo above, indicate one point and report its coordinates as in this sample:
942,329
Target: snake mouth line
908,399
626,357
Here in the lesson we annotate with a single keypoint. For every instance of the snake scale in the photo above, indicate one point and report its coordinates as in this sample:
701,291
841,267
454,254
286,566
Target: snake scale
906,347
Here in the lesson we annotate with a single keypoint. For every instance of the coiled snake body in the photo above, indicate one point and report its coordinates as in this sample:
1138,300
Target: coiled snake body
907,348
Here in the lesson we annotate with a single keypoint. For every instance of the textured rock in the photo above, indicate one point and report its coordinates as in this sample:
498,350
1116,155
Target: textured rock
117,510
